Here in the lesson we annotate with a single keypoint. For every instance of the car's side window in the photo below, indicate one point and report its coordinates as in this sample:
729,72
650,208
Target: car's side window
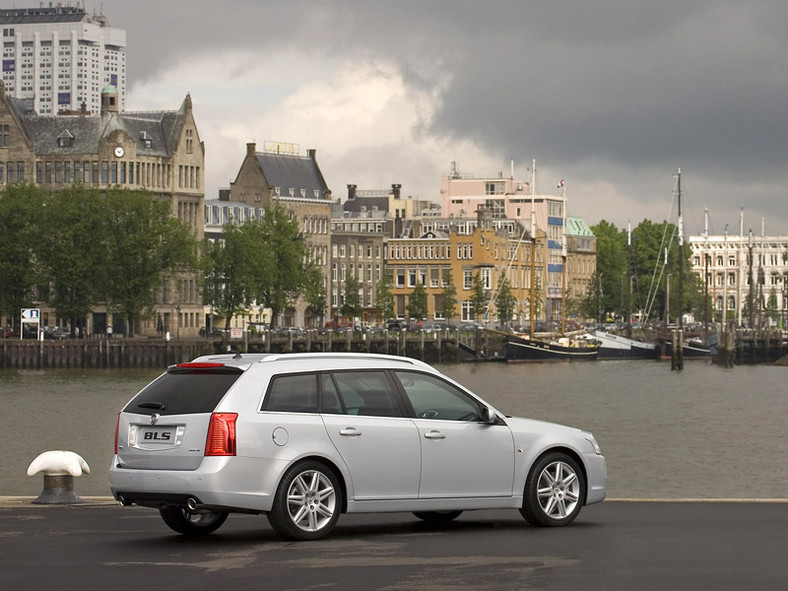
367,393
292,393
432,398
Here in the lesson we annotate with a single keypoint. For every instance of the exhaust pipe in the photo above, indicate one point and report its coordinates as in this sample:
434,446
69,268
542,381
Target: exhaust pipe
122,500
191,504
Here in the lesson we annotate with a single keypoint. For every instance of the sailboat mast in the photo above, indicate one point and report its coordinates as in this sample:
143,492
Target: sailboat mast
629,281
533,249
681,253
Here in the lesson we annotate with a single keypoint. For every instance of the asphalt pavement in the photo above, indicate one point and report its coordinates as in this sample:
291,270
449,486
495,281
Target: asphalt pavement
639,545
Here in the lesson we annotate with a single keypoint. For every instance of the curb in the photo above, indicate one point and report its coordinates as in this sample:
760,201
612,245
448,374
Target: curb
9,502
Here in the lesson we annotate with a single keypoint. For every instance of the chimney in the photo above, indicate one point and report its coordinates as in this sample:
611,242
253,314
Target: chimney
251,148
351,192
395,190
312,153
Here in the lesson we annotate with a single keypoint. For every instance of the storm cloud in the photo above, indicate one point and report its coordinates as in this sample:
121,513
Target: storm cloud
613,97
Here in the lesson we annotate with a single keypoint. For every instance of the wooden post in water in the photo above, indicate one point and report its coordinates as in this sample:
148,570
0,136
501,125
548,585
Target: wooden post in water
677,352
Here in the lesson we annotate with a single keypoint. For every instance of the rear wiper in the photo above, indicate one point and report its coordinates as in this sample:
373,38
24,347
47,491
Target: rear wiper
153,405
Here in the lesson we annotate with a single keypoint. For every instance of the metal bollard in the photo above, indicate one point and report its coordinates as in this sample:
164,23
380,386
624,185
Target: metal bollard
60,467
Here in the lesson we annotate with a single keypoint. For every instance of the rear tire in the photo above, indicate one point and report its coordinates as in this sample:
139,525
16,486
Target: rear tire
307,503
187,523
437,516
554,492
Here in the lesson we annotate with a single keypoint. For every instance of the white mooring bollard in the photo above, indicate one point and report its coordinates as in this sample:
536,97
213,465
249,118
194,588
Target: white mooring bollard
60,468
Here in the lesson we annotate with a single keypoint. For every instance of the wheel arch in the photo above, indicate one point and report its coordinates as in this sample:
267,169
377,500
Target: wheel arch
572,454
331,465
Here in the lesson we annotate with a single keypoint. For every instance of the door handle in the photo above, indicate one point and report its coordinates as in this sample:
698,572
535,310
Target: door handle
434,435
350,432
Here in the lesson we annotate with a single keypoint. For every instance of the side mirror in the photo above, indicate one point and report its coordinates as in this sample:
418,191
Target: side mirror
489,415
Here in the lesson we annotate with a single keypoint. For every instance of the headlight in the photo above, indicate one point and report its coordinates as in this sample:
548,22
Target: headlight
590,438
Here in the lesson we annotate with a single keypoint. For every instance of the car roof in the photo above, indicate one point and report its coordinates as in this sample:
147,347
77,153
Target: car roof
313,361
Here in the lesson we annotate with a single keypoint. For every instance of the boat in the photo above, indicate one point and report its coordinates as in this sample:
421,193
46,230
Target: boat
694,348
521,347
613,346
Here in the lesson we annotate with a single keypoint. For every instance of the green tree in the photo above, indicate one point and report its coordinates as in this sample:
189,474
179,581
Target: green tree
478,297
145,246
315,291
351,305
20,207
384,300
417,302
505,303
228,268
72,248
283,273
449,300
611,266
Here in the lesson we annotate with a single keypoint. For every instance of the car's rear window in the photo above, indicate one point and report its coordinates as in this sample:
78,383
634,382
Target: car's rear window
183,392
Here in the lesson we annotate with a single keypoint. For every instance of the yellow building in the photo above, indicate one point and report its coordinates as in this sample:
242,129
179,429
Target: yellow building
461,253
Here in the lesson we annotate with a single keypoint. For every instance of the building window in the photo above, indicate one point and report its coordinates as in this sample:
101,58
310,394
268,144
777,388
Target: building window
493,188
467,278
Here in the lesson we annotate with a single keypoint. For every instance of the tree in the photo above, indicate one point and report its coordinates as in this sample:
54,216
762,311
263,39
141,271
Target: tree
228,269
384,300
478,297
611,266
145,246
417,302
315,291
20,207
351,306
505,303
73,251
283,273
449,300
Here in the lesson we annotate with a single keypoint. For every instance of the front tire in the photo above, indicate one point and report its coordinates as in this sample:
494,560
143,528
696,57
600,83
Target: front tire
187,523
307,503
554,492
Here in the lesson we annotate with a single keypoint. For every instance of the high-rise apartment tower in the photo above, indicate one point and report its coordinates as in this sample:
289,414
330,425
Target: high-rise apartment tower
60,57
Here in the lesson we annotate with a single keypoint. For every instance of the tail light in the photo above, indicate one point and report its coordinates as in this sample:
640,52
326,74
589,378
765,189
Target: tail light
117,426
221,434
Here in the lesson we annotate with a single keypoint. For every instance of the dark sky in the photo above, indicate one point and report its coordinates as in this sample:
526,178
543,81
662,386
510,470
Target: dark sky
613,97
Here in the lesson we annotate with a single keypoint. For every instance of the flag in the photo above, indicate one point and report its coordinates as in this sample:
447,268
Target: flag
561,184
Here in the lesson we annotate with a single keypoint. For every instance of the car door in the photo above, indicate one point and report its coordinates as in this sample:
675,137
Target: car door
461,455
367,424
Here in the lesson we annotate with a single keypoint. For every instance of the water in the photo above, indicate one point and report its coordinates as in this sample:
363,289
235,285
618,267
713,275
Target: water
705,432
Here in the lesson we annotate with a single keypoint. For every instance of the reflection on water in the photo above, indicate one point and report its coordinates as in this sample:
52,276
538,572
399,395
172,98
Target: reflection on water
705,432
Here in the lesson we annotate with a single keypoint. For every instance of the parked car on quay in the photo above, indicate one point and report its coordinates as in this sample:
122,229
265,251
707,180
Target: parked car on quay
56,332
306,437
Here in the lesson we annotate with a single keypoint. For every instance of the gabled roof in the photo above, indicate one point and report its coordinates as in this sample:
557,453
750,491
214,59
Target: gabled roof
162,128
288,171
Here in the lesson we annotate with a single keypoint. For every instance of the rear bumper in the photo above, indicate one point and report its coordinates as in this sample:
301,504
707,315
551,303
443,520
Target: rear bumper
246,484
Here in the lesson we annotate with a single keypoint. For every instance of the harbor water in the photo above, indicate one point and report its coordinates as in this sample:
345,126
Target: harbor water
706,432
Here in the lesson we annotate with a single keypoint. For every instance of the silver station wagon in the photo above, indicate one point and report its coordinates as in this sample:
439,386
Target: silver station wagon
306,437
